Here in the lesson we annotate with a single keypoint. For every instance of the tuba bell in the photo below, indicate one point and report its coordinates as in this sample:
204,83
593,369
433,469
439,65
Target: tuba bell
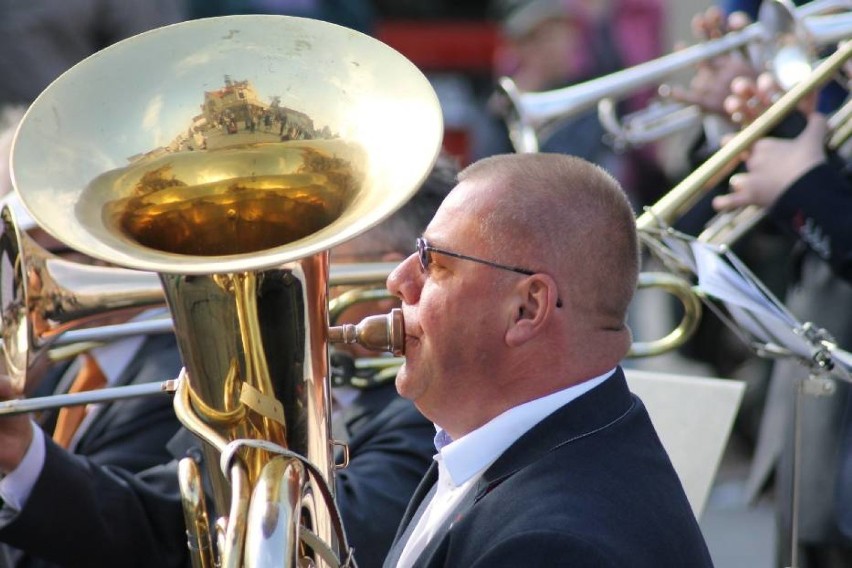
228,155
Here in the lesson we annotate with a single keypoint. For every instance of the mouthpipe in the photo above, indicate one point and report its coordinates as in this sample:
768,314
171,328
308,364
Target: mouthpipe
385,332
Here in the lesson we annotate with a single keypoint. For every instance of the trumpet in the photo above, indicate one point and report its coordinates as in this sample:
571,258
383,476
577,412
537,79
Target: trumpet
785,38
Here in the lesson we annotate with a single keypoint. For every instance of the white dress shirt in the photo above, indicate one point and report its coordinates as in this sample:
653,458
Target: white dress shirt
461,462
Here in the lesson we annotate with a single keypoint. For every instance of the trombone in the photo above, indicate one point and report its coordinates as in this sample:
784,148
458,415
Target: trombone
728,227
382,332
690,190
784,35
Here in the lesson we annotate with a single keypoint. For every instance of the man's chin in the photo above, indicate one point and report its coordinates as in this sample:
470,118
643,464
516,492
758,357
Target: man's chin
403,382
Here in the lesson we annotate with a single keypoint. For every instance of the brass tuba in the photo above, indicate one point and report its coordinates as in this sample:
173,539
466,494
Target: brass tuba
228,155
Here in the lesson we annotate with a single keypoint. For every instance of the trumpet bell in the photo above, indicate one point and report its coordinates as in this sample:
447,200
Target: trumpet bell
191,148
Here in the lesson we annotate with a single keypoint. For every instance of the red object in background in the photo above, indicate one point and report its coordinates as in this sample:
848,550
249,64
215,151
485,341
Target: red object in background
443,45
446,46
457,144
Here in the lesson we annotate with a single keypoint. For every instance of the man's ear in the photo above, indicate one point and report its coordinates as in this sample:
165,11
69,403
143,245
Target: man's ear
533,304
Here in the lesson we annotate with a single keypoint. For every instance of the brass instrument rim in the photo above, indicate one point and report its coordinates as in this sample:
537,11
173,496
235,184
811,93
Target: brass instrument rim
383,88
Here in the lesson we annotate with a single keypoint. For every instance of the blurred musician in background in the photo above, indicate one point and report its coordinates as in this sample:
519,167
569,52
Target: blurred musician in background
114,515
549,44
805,191
803,187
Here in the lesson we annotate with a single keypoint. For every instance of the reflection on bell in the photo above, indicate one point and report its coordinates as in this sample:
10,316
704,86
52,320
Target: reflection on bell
230,201
206,123
234,193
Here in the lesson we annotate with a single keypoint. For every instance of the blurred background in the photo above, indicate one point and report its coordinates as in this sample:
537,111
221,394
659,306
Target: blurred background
464,47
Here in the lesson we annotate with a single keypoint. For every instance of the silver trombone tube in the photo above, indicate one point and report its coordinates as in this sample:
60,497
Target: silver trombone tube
24,405
379,333
350,274
115,332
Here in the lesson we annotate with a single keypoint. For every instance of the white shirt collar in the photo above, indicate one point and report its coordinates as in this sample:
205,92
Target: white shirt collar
474,452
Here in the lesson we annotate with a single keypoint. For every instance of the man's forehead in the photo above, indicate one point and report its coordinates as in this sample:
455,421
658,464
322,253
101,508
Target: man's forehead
457,221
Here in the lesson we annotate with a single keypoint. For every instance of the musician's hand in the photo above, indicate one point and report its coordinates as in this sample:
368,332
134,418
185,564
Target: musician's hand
773,164
712,80
16,432
750,97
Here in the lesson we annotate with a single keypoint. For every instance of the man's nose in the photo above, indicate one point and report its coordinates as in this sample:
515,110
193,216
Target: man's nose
405,280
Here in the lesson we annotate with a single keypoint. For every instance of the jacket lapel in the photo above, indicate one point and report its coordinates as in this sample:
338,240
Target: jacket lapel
422,495
594,411
136,372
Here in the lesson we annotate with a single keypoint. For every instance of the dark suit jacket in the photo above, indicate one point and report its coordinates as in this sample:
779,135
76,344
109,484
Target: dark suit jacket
86,493
110,516
590,485
816,208
390,447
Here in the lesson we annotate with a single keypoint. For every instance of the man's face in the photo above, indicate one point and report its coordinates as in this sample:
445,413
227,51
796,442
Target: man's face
452,315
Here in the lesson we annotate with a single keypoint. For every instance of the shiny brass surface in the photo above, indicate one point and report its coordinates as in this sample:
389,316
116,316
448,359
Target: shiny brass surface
173,108
385,332
228,155
196,517
42,296
275,506
685,194
71,342
682,290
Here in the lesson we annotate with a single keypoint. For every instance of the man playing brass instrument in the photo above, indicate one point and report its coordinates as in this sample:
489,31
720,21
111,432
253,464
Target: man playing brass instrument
805,191
515,304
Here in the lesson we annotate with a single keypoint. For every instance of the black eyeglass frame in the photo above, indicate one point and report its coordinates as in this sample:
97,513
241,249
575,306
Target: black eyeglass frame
424,248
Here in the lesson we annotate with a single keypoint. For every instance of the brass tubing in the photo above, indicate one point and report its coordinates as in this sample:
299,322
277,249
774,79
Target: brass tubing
685,194
682,290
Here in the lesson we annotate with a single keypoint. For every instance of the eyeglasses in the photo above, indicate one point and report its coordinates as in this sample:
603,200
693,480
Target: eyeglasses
425,250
